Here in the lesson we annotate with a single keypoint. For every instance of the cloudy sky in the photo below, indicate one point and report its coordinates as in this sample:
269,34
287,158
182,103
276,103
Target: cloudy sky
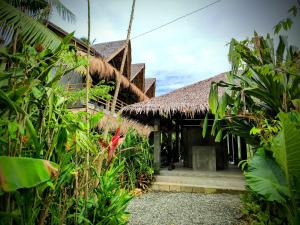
189,50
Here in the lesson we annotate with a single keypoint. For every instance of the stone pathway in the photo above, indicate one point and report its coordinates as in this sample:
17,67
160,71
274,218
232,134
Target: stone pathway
167,208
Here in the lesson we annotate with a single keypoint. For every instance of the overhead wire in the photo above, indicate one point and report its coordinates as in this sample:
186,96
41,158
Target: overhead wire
174,20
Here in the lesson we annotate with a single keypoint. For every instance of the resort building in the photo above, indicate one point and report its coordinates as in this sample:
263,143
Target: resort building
177,118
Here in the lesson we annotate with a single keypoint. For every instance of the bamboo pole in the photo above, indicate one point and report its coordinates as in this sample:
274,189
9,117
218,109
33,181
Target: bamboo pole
86,102
113,107
118,78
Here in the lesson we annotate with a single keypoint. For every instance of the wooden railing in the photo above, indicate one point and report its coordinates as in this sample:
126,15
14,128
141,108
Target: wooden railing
99,100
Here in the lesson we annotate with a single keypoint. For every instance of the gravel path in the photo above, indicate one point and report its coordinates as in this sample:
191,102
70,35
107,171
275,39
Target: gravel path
165,208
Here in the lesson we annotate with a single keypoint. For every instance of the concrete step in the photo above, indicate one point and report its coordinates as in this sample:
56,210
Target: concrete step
175,187
195,173
204,184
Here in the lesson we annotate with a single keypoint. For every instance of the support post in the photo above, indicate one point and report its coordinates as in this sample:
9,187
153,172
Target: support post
235,150
230,149
170,151
176,153
157,145
243,149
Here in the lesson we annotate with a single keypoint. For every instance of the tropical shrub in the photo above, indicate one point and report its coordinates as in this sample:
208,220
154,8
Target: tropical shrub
256,210
138,158
51,169
43,169
110,201
260,102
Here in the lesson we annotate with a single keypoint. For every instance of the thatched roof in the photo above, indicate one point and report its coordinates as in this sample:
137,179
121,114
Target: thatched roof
104,70
81,45
113,52
113,122
102,53
138,75
135,69
109,49
187,101
125,124
150,86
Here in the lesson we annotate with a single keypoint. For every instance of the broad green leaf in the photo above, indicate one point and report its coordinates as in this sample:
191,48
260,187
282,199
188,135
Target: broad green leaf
214,126
222,105
205,125
22,172
266,178
213,97
286,147
219,136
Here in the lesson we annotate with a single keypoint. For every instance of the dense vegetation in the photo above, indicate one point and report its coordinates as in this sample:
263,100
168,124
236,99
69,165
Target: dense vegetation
261,103
55,167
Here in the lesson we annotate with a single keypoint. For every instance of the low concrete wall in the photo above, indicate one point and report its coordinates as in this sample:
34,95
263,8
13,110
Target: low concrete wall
204,158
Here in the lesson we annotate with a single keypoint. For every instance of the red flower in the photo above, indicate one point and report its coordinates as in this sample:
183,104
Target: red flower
116,140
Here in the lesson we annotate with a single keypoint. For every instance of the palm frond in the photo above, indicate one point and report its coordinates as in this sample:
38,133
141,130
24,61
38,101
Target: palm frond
62,10
30,30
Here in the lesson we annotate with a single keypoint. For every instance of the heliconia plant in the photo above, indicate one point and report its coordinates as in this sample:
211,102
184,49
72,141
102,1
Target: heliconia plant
110,147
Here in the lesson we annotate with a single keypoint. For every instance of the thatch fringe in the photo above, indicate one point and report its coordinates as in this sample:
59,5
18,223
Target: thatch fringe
106,71
187,101
125,124
113,122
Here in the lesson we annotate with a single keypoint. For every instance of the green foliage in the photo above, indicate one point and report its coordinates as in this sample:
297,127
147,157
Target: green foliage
262,83
265,177
36,123
258,211
138,158
44,177
287,23
112,200
21,172
205,125
286,145
31,30
100,90
260,104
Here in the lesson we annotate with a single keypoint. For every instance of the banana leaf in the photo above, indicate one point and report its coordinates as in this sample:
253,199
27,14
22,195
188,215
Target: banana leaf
266,178
22,172
286,145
